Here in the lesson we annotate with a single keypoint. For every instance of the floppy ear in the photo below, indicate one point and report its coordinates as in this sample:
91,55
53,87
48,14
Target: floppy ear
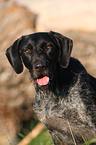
13,56
65,47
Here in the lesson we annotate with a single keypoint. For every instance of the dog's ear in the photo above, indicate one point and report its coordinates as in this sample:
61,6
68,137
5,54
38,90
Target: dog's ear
13,56
65,47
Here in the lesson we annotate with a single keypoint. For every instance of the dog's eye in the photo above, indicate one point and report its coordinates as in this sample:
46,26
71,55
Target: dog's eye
48,47
27,50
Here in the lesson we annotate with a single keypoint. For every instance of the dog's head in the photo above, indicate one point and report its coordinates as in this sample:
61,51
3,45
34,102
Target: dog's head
40,53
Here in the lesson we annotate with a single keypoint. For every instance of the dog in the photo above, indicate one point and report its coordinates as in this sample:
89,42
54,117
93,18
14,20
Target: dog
65,99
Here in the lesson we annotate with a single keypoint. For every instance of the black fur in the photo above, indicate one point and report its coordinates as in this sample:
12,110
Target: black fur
67,104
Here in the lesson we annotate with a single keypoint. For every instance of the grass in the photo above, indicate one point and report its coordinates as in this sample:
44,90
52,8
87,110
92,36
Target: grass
90,142
42,139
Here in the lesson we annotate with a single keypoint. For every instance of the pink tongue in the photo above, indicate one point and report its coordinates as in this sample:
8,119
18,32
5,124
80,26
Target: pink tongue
43,81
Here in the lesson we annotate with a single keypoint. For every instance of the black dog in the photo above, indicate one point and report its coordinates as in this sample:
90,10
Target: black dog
65,100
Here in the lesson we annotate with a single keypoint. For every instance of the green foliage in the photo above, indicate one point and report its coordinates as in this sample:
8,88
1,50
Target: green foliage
42,139
90,142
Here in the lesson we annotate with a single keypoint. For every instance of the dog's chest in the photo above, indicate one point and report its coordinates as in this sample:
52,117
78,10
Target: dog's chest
45,105
48,107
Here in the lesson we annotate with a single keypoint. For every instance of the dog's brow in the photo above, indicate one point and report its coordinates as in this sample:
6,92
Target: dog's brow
31,42
28,45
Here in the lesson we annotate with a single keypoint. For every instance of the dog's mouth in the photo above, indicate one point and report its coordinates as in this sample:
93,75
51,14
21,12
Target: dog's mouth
43,81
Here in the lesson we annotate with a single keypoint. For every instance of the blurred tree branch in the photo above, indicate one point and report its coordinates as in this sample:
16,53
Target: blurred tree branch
35,132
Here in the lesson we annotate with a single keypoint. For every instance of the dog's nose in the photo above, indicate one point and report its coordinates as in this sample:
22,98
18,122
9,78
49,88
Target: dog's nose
40,66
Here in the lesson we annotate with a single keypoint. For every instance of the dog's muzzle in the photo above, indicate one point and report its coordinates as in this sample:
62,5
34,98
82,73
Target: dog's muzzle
41,70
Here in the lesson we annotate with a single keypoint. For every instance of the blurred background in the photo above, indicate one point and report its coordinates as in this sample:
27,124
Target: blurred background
75,19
